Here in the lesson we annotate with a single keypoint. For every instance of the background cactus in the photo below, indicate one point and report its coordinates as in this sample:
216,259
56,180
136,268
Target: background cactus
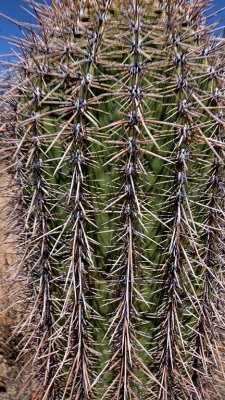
112,126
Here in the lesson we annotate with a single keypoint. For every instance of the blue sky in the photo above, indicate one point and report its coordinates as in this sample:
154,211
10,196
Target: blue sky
12,9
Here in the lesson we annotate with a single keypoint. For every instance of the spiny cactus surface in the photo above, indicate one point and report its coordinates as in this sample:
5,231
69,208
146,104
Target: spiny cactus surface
113,129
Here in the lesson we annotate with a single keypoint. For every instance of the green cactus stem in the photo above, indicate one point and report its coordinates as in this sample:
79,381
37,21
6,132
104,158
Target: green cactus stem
112,126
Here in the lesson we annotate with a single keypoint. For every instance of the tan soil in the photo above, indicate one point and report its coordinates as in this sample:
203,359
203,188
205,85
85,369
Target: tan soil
9,385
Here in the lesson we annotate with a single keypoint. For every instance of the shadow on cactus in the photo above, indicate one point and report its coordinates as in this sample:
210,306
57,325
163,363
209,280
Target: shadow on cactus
112,122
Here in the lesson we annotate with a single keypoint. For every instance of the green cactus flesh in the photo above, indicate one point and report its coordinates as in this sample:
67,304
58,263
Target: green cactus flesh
113,124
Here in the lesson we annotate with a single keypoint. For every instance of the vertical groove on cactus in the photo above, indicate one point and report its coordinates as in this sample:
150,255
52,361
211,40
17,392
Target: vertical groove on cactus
79,289
112,123
126,137
42,268
171,331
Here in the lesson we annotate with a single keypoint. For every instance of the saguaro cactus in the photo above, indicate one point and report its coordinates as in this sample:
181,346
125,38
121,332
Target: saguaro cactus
113,130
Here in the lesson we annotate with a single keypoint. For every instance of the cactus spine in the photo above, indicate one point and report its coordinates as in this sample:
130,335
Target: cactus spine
113,128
